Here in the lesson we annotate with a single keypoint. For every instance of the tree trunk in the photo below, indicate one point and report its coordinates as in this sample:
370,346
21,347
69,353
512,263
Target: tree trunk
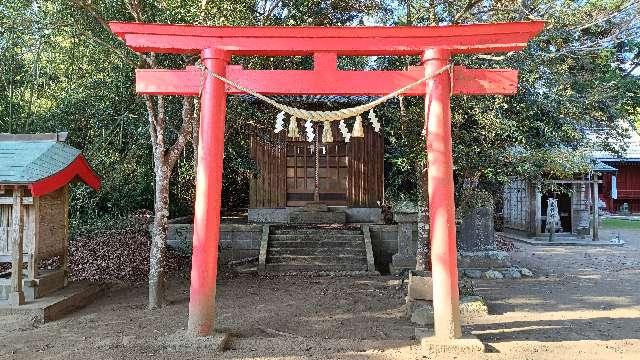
159,240
422,246
195,130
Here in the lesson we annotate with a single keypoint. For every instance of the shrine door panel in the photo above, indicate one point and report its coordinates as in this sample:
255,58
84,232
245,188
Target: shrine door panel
332,173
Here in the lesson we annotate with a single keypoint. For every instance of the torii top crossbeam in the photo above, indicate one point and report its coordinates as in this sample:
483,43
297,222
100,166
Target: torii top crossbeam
436,45
294,41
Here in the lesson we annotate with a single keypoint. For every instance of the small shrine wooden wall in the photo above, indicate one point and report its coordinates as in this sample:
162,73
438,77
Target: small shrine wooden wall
45,233
350,174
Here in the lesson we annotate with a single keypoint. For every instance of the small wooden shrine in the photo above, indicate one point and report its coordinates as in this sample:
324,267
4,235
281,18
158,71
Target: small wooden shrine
349,174
35,172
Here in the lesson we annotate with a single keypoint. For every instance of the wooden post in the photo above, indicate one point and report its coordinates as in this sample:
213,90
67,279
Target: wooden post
442,217
595,207
16,297
206,225
34,259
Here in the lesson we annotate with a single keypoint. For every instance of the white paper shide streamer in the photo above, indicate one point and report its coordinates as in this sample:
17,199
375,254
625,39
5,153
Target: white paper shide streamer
309,129
344,131
279,122
374,120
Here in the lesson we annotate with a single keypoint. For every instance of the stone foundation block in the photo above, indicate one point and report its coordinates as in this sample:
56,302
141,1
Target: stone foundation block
464,345
421,312
420,285
317,217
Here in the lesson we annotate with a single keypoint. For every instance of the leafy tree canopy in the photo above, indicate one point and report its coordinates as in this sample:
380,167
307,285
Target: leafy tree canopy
62,70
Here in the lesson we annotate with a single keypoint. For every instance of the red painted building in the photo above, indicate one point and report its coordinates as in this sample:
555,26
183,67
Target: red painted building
622,185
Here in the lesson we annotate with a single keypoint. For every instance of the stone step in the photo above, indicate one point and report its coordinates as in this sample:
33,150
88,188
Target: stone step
287,244
316,237
315,267
315,231
317,251
317,260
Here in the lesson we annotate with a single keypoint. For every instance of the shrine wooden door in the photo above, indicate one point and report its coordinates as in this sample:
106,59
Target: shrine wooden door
332,173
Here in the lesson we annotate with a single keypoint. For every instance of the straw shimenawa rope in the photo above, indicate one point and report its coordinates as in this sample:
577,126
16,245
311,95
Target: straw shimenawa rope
322,116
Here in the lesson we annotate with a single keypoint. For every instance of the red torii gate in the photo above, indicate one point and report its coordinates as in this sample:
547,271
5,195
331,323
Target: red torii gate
436,45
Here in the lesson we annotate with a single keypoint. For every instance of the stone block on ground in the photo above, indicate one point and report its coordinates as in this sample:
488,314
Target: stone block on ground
526,272
405,258
420,312
420,285
405,217
511,273
476,230
493,259
473,273
473,307
493,274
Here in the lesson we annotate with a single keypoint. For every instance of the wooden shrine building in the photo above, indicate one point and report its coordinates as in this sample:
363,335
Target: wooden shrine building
350,175
35,172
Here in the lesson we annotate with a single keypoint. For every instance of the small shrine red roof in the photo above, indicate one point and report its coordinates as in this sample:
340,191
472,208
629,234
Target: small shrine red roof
44,162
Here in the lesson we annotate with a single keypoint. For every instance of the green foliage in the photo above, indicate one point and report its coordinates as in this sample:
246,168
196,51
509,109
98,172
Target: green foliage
575,79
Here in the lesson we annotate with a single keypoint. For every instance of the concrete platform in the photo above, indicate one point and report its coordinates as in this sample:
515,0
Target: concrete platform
181,339
57,304
467,344
560,240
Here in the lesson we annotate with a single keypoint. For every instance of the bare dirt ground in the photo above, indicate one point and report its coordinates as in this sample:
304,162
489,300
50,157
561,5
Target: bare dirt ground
583,303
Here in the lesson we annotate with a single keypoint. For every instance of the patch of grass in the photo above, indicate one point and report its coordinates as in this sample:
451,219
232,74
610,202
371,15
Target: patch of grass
609,223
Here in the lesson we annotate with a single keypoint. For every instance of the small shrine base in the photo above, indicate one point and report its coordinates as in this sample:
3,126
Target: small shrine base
56,305
562,240
46,283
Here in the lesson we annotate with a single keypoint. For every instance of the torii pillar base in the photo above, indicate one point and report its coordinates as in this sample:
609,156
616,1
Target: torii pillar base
467,344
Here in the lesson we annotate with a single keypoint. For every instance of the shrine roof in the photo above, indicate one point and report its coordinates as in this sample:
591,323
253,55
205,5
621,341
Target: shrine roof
599,166
631,152
43,162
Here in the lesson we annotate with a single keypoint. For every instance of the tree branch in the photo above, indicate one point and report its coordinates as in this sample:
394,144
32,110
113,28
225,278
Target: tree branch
90,10
470,5
134,9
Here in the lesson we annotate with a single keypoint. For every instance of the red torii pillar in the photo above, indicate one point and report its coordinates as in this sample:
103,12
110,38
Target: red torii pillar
206,224
442,214
435,44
